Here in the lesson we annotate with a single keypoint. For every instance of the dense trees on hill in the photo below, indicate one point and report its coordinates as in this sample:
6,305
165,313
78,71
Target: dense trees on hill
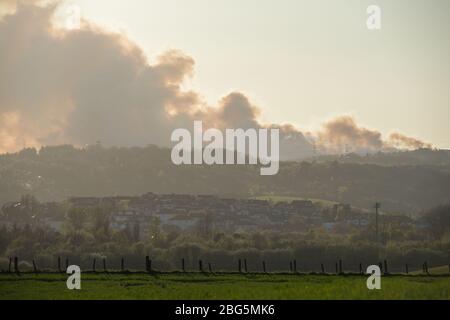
86,235
438,220
420,157
56,173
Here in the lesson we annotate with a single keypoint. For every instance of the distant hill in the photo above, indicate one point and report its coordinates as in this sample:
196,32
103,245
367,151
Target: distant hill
56,173
422,157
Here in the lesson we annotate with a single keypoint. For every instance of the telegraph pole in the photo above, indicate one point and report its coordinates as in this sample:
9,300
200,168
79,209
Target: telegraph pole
377,206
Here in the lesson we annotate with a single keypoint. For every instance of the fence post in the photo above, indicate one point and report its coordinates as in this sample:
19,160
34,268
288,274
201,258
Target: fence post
245,265
122,264
59,264
93,265
148,264
10,262
386,267
183,265
35,267
360,268
264,266
295,265
322,268
340,266
380,265
426,267
240,266
104,264
210,267
406,268
16,265
67,263
337,270
290,266
200,265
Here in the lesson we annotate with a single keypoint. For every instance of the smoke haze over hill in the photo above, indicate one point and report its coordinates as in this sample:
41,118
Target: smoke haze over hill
85,85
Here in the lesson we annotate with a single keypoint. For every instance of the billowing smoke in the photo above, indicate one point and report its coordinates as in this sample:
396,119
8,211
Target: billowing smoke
235,110
343,134
399,140
84,85
87,85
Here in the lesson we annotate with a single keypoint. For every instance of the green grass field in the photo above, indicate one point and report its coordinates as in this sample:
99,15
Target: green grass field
226,287
441,270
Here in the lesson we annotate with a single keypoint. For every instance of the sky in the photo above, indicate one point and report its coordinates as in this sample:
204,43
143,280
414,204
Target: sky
304,62
133,71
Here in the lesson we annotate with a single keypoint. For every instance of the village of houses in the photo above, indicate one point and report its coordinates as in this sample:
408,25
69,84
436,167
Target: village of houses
185,212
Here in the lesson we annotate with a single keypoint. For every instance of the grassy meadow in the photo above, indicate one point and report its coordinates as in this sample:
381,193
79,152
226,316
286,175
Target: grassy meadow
174,286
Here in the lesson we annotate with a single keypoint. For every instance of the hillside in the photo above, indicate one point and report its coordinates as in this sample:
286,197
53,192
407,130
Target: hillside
420,157
55,173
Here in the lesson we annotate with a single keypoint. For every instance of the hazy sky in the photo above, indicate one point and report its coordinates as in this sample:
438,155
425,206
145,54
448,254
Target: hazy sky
305,61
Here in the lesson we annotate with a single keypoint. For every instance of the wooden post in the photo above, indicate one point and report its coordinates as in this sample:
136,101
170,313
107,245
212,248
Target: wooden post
93,265
10,262
104,264
200,265
16,265
380,265
59,264
337,270
295,266
148,264
183,265
122,264
240,266
322,268
290,266
210,267
426,267
385,267
340,266
35,267
360,268
264,266
67,263
406,268
245,265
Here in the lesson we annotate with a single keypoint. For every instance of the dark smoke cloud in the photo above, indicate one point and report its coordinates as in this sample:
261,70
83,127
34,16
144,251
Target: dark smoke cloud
343,133
401,141
87,85
84,85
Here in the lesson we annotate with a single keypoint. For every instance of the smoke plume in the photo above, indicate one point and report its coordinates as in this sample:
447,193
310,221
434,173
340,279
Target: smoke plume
401,141
86,85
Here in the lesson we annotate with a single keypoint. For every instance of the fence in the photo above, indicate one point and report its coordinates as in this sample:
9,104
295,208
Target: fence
241,267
